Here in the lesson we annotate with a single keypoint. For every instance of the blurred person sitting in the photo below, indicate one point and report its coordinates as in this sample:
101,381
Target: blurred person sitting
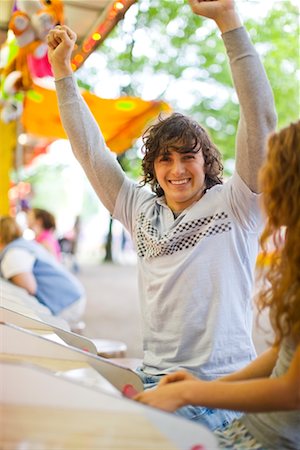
68,244
43,224
29,265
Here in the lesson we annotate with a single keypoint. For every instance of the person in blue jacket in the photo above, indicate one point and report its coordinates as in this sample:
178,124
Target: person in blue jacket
28,265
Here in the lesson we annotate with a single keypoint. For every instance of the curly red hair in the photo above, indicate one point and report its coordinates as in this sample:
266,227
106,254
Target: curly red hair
280,184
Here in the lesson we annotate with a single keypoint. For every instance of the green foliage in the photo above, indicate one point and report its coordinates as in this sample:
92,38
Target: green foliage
46,182
130,163
278,39
162,38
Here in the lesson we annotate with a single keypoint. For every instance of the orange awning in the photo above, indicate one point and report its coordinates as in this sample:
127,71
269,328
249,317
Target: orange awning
122,120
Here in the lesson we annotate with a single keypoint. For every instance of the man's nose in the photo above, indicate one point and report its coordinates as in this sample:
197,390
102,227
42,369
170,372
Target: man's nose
178,167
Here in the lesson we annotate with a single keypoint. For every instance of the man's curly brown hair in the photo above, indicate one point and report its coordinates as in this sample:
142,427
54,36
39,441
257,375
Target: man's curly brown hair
280,183
182,134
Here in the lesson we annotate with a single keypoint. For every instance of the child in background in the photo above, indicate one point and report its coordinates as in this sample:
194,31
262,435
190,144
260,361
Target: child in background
29,265
43,224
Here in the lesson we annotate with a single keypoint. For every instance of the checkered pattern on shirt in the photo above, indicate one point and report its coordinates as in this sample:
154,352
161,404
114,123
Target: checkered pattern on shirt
184,236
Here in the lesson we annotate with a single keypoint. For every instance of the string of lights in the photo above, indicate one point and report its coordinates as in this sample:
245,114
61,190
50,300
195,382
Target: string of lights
112,15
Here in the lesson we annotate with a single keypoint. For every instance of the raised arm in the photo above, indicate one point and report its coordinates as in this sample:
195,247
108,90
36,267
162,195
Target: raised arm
99,164
257,112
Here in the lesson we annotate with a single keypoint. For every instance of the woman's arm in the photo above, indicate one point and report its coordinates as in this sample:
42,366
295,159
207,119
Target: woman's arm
16,266
25,280
251,395
261,366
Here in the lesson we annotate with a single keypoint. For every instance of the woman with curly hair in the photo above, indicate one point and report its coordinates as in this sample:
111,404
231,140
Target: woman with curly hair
268,389
196,238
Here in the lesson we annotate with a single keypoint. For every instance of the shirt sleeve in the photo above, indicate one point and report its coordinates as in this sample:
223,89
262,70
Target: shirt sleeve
257,110
244,204
16,261
88,145
130,200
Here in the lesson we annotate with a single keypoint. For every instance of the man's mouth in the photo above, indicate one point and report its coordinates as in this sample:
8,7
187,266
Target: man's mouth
179,182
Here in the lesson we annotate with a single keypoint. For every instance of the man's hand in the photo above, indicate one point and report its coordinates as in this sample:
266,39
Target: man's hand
61,41
223,12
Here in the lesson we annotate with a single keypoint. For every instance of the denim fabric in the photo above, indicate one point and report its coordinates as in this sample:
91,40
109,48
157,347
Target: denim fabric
149,381
212,418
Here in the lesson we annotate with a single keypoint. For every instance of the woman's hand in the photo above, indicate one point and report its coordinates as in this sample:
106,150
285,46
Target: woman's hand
181,375
171,392
168,397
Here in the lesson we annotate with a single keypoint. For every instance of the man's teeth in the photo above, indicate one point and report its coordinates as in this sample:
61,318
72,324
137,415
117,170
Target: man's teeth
179,181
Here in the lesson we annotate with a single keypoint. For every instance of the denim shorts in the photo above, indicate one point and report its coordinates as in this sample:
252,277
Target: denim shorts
212,418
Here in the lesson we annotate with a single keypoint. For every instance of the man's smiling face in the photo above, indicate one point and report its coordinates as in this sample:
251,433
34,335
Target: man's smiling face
181,176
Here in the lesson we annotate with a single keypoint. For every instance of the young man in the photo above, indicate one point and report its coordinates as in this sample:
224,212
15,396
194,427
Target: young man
196,239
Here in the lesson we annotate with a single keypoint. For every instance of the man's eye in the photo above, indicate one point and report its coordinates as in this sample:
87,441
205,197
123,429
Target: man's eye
189,156
164,158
